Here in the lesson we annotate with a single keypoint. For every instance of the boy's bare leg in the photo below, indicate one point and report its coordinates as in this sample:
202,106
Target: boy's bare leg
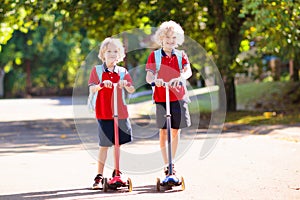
163,141
101,159
175,140
163,138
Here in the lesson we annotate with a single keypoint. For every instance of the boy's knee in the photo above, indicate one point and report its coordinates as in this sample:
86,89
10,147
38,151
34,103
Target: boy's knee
175,132
163,145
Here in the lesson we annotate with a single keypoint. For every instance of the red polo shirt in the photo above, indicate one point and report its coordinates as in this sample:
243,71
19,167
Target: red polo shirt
169,69
104,104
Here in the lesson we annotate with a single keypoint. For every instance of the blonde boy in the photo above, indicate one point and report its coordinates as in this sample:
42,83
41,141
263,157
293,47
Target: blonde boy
111,52
169,35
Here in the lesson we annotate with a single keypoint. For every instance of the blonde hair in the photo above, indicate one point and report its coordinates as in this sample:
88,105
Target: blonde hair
165,28
104,46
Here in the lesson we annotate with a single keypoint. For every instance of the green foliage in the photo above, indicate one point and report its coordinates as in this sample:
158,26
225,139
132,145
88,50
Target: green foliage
275,25
56,36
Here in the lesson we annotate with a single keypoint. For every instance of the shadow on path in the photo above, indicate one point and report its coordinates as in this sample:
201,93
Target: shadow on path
32,136
86,193
61,134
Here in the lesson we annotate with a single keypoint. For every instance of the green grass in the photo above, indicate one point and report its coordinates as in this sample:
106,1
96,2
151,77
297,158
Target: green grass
139,99
249,92
274,96
204,103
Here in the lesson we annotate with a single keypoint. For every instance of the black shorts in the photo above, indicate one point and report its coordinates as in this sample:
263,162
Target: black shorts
180,116
106,132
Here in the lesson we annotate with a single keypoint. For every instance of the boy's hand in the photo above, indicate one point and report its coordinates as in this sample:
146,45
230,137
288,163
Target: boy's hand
158,82
123,83
175,82
107,83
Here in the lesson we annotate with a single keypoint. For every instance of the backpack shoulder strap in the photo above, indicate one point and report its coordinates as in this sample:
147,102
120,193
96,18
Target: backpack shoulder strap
157,55
179,59
121,72
99,70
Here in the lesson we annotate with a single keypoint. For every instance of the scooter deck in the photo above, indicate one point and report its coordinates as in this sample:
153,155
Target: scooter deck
117,183
169,182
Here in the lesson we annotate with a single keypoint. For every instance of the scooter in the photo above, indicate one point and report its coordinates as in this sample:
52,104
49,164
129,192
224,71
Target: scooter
116,181
170,180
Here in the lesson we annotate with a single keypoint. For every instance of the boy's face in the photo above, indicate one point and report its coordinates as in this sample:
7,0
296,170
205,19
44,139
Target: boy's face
111,54
169,41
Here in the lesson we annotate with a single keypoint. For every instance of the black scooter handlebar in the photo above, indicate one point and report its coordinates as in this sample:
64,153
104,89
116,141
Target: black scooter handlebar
128,84
153,83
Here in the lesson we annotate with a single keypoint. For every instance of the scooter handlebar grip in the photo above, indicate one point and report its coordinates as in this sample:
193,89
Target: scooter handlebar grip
153,83
128,84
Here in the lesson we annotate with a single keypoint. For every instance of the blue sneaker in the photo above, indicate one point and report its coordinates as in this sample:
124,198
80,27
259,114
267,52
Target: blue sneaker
166,170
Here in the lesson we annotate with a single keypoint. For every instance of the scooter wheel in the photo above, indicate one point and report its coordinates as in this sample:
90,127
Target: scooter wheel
105,185
158,184
129,182
182,183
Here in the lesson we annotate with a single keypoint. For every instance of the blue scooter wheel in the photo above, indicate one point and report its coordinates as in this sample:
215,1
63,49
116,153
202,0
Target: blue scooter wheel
182,184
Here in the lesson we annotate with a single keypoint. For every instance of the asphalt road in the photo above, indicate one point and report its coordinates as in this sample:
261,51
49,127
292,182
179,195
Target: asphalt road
42,156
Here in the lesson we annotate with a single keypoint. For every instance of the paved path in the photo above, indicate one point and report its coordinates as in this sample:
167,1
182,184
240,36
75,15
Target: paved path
42,157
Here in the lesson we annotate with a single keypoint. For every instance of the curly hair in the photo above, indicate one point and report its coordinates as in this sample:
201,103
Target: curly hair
165,28
104,45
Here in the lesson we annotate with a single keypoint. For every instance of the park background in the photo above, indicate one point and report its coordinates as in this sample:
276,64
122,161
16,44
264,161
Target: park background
254,44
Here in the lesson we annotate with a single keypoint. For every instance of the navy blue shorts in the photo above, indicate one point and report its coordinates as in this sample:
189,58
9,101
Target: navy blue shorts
106,132
180,116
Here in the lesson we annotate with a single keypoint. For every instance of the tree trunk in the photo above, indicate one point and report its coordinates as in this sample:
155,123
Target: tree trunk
291,68
28,77
227,38
296,67
230,93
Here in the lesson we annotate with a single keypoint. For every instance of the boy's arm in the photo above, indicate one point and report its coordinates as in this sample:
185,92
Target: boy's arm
94,84
127,83
94,88
187,71
130,89
151,70
150,77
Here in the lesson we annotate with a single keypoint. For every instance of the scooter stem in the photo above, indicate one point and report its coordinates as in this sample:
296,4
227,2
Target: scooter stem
116,130
168,118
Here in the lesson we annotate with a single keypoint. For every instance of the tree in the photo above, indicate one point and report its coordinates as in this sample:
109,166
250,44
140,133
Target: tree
40,48
215,24
276,27
223,25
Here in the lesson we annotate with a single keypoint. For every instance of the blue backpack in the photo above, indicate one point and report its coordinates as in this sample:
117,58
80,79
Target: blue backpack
93,96
158,55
